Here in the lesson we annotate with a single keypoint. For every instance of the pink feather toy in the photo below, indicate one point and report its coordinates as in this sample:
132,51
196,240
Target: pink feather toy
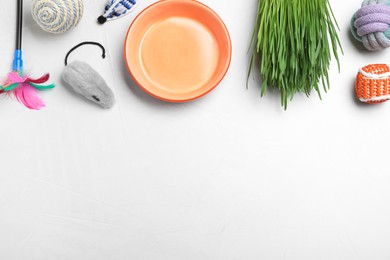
24,88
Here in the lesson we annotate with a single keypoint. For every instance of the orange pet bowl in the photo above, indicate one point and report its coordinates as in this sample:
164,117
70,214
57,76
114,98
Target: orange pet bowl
178,50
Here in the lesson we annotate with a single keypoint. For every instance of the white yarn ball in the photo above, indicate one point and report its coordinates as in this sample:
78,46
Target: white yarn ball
57,16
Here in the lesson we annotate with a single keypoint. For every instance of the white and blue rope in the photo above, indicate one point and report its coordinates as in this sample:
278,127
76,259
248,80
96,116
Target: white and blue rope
116,9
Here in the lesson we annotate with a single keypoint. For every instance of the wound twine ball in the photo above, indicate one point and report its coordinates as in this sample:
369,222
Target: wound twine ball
371,24
373,84
57,16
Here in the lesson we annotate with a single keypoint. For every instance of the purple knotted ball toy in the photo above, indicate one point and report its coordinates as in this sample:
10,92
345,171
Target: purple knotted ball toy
371,24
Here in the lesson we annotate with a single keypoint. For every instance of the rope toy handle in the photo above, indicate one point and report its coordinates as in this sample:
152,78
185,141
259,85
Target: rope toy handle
85,43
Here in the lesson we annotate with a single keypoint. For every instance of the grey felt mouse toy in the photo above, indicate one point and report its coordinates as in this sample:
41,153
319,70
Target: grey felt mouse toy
86,81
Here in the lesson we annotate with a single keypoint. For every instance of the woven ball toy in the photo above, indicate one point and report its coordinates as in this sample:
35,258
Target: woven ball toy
57,16
373,84
371,24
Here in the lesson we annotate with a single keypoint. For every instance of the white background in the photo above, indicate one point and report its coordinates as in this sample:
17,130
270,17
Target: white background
229,176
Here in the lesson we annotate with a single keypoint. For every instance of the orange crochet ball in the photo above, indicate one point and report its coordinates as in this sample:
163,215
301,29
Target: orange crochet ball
373,83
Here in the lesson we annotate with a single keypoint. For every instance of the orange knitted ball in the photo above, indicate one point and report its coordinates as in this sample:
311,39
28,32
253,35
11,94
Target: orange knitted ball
373,83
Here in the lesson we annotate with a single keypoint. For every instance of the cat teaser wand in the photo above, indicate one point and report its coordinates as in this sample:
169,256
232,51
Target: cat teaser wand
24,88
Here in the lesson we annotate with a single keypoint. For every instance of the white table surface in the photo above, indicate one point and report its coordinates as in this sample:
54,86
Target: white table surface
229,176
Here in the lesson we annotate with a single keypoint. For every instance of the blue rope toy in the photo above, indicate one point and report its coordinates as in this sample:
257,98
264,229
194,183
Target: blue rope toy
116,9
